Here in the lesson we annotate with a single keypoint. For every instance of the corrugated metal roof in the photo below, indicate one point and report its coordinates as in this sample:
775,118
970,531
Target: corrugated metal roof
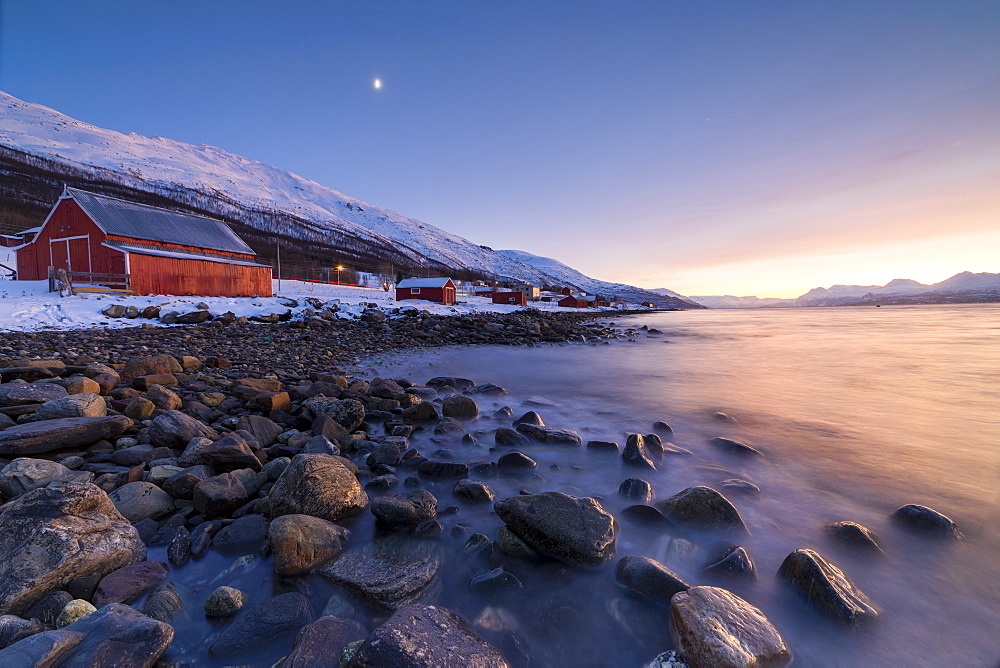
423,282
179,254
127,219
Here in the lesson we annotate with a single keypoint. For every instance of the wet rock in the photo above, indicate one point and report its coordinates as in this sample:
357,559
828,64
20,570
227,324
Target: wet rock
317,485
390,573
348,413
449,425
139,500
163,603
320,445
636,453
264,624
702,508
739,486
494,581
550,436
636,489
248,531
714,627
47,435
475,491
662,428
733,447
404,510
515,461
50,536
130,582
74,405
432,469
855,537
419,636
13,629
224,602
181,485
173,429
732,561
301,543
23,475
826,587
424,411
649,578
219,495
230,453
917,517
648,515
511,544
459,406
510,438
605,446
577,530
317,643
22,394
179,548
264,430
74,611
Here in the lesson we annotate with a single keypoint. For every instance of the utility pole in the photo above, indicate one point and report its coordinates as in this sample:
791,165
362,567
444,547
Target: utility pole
277,244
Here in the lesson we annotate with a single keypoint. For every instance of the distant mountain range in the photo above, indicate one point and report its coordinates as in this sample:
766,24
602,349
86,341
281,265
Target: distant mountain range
42,149
964,287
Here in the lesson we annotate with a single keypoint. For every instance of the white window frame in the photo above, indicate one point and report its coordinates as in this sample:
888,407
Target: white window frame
414,291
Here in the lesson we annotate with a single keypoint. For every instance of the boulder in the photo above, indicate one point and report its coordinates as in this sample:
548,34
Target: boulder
229,453
702,508
23,475
23,394
432,469
74,611
74,405
474,491
224,602
13,629
636,453
855,537
301,543
827,587
147,366
577,530
220,495
734,447
404,510
48,435
459,406
390,573
130,582
317,485
510,438
163,603
52,535
247,532
421,412
181,485
145,383
266,624
714,627
163,398
550,436
636,489
173,429
348,413
317,643
139,500
515,461
732,561
917,517
421,636
649,578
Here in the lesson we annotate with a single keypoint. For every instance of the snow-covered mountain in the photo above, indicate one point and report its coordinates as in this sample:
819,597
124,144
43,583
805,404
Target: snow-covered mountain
732,301
43,144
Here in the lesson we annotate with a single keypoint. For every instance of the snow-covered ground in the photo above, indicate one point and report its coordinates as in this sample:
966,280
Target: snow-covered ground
29,306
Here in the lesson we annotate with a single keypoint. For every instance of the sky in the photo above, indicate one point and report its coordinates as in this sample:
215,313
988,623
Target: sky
752,148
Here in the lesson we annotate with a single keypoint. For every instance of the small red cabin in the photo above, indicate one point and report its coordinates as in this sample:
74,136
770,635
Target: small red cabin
566,291
440,290
161,251
572,302
516,298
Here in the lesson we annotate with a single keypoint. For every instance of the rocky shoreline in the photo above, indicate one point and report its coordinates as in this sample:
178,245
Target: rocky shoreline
128,456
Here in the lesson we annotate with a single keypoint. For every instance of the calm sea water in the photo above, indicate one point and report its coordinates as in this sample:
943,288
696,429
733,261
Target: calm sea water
858,411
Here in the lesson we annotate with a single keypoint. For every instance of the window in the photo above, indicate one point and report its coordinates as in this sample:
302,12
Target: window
414,291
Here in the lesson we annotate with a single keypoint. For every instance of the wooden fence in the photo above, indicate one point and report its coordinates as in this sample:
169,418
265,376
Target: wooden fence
69,283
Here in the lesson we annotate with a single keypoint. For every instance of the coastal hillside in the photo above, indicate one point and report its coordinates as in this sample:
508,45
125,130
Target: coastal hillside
41,150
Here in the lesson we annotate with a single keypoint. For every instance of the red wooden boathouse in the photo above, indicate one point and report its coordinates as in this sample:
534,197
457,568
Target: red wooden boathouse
440,290
516,298
162,251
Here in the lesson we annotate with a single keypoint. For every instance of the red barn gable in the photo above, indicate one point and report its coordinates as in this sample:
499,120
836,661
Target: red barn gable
440,290
162,251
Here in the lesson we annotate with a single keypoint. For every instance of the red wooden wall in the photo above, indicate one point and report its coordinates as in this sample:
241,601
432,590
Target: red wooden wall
68,220
171,276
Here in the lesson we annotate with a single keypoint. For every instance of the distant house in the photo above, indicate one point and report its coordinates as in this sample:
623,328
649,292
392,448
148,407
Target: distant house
440,290
161,251
516,298
566,291
10,240
570,301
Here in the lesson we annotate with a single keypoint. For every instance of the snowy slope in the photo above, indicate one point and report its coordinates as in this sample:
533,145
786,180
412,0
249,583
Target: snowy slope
164,166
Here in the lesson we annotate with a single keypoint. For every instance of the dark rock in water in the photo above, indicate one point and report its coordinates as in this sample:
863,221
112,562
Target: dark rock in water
317,485
448,425
739,486
609,446
531,417
636,489
248,532
733,447
702,508
504,412
719,416
318,644
714,627
382,483
642,514
179,549
511,544
826,587
48,608
855,537
265,624
173,429
300,543
536,400
733,561
428,529
550,436
116,635
654,445
404,510
494,581
424,411
916,517
383,453
662,428
515,461
52,535
224,602
129,583
459,384
460,406
475,491
649,578
348,413
482,549
47,435
390,573
574,529
509,437
163,603
139,500
420,636
443,469
220,495
636,454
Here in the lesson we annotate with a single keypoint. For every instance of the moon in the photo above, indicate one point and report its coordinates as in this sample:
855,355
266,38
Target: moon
377,83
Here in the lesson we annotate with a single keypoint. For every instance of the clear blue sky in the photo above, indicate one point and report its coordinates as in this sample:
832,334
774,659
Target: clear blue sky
709,147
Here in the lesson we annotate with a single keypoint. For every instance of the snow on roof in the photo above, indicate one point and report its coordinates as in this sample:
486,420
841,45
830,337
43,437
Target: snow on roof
179,254
32,230
140,221
423,282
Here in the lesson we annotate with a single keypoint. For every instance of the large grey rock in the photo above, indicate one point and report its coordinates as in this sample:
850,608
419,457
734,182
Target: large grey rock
550,436
427,636
917,517
84,404
827,587
317,643
317,485
649,578
389,573
404,510
265,624
459,406
23,475
574,529
855,537
220,495
714,627
230,453
301,543
636,453
130,582
173,429
50,536
138,500
36,438
116,635
348,413
702,508
21,394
